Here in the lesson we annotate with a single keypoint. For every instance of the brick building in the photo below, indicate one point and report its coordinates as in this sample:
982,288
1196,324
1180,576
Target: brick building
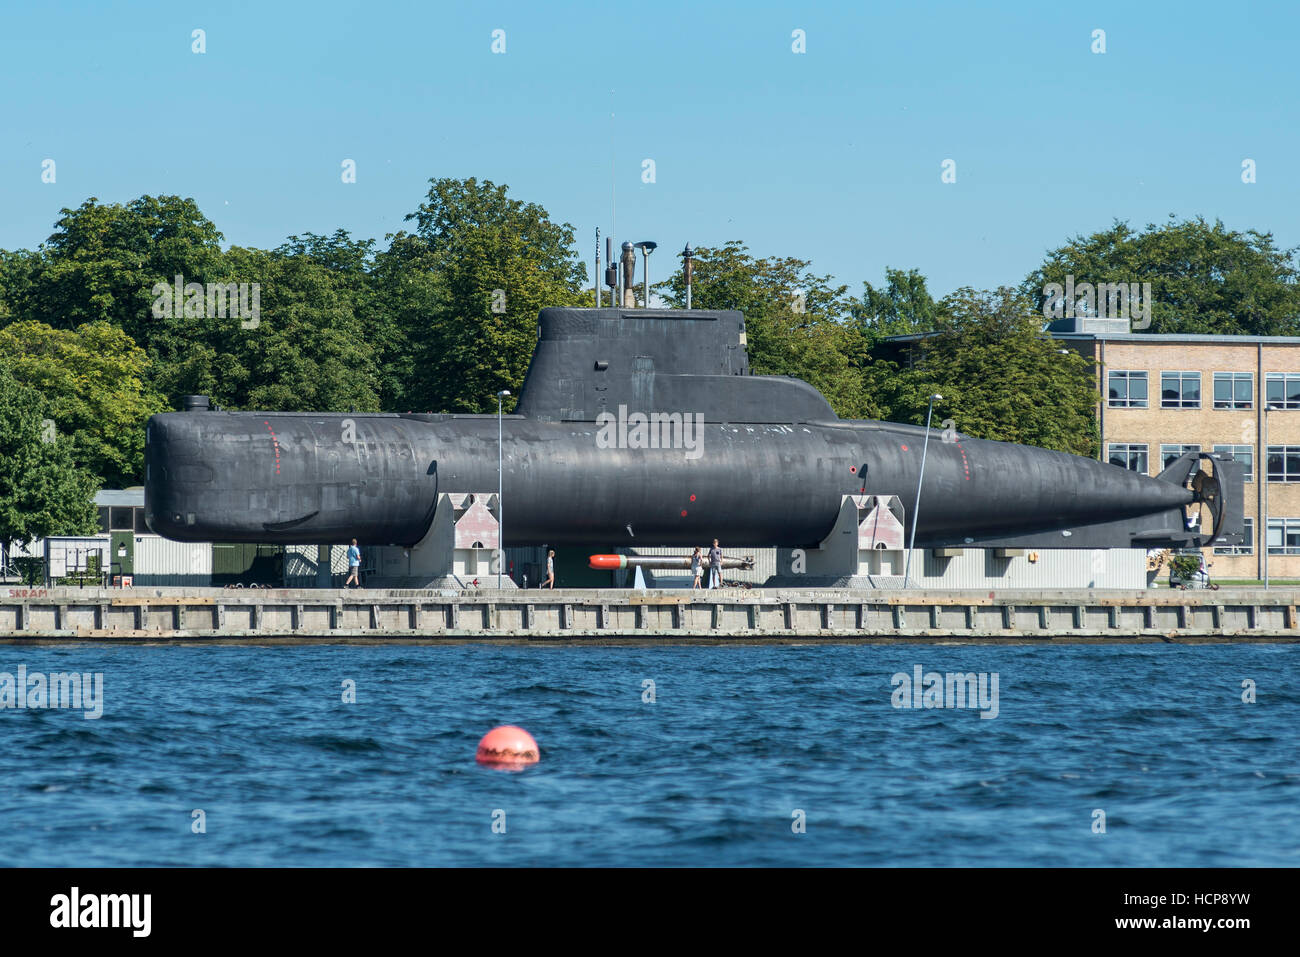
1163,395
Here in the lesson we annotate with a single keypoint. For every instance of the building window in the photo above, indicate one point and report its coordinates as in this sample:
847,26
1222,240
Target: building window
1180,390
1245,454
1284,463
121,519
1234,390
1284,536
1282,389
1131,457
1170,452
141,526
1247,547
103,518
1128,390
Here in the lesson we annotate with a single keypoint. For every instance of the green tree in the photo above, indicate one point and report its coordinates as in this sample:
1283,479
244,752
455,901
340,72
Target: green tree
42,492
1204,278
103,260
492,263
306,350
902,307
1000,376
93,379
796,323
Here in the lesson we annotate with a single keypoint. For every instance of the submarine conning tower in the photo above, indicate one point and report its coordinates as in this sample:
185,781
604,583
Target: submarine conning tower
590,361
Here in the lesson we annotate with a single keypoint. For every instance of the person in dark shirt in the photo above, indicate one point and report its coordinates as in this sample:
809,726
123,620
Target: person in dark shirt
715,566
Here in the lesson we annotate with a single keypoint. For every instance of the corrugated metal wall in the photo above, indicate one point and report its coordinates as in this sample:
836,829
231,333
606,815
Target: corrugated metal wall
975,568
1055,568
160,561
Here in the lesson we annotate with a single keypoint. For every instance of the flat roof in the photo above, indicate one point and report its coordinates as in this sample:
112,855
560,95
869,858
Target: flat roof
115,496
1143,337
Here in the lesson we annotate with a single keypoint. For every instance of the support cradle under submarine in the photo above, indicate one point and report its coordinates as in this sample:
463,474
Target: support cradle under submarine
769,463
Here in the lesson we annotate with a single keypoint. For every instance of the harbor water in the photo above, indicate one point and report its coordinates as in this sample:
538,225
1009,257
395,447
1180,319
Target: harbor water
738,754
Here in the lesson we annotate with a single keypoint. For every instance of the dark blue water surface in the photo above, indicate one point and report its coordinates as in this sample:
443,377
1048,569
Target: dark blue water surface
738,738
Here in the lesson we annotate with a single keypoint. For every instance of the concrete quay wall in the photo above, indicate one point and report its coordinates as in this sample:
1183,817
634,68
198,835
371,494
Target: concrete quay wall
185,614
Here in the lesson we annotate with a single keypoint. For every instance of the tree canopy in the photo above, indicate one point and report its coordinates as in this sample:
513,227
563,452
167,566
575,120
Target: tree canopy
796,322
1000,376
42,491
1205,278
93,380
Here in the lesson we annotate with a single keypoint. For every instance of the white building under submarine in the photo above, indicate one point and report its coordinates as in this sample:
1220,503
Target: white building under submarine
644,429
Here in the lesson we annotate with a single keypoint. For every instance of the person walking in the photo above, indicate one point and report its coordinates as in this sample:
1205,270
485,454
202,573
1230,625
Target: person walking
715,566
550,570
697,567
354,565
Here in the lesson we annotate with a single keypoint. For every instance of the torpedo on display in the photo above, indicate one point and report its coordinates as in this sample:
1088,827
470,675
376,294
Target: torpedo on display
613,563
646,427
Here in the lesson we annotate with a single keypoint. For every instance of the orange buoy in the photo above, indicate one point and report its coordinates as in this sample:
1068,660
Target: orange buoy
507,748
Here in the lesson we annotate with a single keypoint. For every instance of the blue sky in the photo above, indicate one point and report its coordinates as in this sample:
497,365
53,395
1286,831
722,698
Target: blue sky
833,155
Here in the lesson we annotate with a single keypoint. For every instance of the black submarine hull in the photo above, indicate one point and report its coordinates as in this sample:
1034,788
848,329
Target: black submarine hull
646,427
265,477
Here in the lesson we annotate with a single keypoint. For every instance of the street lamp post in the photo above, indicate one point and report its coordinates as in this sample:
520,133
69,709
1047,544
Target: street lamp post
916,507
1264,518
501,524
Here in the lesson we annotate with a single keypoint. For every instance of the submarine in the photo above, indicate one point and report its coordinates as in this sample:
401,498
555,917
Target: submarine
648,427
